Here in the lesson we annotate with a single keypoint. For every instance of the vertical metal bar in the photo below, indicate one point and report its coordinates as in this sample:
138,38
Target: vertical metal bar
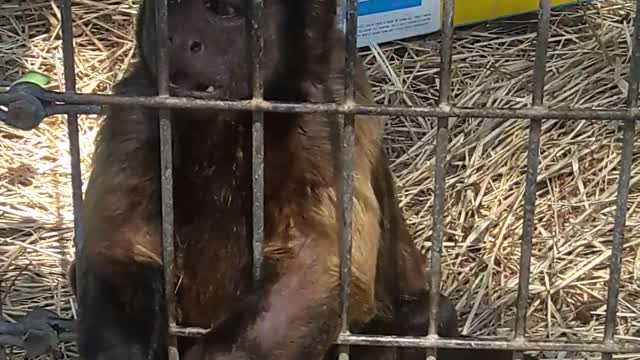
440,170
345,194
162,33
351,49
533,147
613,285
166,170
72,125
345,198
257,140
3,349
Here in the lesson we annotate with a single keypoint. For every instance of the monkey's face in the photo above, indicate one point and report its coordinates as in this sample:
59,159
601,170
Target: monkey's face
210,45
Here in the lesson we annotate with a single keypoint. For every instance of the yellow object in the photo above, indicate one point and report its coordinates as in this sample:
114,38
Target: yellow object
474,11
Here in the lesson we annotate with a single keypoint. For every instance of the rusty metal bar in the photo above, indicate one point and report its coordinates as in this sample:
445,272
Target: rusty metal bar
345,192
351,50
258,140
461,343
516,345
166,171
3,349
443,343
624,178
345,199
88,103
528,221
72,125
440,171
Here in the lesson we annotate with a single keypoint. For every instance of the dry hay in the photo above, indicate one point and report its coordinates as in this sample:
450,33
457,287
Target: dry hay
588,64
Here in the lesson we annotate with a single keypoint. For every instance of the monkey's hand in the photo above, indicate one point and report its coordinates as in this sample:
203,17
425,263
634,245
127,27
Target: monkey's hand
278,321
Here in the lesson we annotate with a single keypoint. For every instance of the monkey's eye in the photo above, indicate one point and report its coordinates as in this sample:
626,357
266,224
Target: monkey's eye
220,8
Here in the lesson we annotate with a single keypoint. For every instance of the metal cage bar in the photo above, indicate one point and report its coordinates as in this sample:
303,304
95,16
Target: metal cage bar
440,171
91,104
613,286
166,171
477,344
533,148
344,153
257,140
72,124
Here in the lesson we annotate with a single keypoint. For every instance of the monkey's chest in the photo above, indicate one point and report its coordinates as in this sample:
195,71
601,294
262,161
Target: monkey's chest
213,248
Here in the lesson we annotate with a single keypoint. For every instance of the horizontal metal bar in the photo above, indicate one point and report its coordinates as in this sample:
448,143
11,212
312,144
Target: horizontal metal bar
460,343
541,112
64,109
517,345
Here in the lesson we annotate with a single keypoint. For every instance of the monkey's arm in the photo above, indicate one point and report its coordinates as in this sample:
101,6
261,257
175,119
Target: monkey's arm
121,288
300,300
278,321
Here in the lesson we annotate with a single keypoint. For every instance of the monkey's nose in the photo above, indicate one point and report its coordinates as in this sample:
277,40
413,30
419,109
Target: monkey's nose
195,47
185,46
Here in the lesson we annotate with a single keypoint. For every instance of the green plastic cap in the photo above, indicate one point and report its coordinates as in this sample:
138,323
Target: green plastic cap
35,78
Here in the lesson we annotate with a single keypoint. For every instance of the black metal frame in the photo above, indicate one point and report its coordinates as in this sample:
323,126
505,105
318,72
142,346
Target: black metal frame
71,103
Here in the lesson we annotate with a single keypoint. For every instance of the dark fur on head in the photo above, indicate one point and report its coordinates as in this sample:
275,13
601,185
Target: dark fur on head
221,32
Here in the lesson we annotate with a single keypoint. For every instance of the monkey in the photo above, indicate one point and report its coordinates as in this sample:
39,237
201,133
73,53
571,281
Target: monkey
293,310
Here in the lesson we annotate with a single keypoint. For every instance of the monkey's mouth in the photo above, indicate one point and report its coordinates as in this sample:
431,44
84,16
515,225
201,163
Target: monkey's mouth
200,91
